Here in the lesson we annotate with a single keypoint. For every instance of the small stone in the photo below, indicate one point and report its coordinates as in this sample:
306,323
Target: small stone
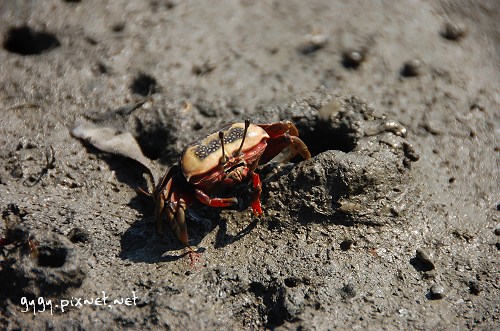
497,232
453,31
411,68
352,58
348,207
437,291
423,257
314,42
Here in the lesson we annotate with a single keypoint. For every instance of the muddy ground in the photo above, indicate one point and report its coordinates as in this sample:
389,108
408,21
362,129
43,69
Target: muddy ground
393,224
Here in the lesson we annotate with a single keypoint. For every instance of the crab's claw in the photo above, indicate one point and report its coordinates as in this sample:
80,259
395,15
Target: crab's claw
257,187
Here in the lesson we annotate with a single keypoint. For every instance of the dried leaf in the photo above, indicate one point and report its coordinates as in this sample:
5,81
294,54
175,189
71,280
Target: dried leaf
111,140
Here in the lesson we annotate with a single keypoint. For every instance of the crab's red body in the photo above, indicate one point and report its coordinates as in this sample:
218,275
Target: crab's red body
222,158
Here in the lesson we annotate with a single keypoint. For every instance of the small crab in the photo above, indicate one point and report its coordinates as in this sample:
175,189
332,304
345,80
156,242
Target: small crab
220,159
17,234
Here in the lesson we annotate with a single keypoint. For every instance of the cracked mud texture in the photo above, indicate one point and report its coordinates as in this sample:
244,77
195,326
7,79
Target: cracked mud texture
378,230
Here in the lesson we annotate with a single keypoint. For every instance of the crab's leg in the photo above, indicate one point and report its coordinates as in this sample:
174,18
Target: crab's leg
166,180
159,212
181,223
256,194
33,249
215,202
163,210
179,228
176,221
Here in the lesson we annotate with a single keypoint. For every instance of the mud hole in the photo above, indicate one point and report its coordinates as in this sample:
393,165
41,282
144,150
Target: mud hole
393,223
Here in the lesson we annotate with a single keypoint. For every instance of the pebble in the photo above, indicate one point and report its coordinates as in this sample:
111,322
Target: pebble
314,41
423,257
411,68
352,59
437,291
453,31
347,207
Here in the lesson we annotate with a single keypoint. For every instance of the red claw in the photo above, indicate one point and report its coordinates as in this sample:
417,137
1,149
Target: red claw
193,256
257,210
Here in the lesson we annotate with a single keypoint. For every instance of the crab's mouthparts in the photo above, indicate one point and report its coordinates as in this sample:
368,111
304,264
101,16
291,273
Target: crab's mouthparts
230,169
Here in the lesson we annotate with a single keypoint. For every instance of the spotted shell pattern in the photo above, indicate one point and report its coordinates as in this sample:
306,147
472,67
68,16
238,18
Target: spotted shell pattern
204,155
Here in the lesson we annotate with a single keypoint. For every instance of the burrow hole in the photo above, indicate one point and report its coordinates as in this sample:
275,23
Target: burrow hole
26,41
52,256
320,136
143,84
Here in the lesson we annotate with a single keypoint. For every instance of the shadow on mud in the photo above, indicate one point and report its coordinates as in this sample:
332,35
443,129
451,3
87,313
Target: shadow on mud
140,243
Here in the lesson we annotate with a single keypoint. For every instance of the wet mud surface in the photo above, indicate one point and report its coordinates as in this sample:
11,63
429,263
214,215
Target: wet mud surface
393,223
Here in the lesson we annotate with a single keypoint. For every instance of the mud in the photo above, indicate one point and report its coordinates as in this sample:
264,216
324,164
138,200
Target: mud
392,224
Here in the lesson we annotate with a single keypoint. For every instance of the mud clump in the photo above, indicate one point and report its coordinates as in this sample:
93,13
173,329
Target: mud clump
366,180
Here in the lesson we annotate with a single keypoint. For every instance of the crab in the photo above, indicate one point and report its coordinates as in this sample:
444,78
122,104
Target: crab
17,234
20,236
222,158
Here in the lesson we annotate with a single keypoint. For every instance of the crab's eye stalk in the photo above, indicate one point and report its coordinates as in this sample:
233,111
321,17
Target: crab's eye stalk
247,124
223,158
